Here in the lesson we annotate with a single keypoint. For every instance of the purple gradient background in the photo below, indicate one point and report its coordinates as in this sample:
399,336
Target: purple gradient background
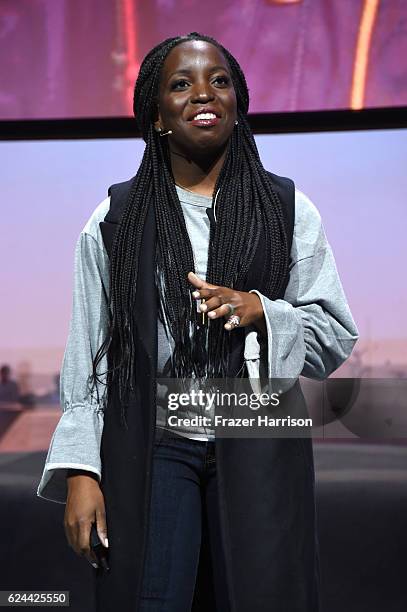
357,181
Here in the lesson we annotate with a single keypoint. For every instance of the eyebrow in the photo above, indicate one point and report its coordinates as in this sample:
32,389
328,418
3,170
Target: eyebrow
187,71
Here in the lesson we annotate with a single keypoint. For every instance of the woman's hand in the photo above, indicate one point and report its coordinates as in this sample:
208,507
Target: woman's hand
84,506
247,306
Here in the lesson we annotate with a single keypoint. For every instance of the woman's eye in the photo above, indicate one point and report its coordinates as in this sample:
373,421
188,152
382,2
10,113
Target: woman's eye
223,80
182,83
179,84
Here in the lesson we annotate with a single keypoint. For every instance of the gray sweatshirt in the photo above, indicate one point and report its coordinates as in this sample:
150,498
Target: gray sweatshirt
310,332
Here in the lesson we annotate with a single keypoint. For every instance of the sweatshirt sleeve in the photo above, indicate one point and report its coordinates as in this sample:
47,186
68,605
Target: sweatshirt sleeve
311,331
77,437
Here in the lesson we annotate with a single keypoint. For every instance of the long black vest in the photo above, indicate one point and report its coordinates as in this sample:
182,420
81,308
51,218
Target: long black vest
266,486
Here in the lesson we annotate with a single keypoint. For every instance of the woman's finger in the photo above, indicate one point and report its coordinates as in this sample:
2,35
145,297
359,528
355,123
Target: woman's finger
84,543
195,280
203,294
213,302
232,322
221,311
69,534
199,282
101,526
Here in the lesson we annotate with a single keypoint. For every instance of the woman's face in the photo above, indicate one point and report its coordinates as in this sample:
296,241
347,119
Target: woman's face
197,100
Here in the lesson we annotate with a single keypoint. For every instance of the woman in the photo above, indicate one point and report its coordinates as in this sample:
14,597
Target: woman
193,519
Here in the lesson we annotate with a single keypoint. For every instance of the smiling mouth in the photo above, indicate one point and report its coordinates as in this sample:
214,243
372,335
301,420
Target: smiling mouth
205,120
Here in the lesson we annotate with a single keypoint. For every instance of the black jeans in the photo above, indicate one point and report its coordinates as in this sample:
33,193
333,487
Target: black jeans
183,486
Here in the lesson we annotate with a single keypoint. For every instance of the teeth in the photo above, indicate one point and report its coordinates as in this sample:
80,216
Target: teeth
205,116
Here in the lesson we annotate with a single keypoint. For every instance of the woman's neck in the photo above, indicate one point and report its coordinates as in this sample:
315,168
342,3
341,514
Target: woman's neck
198,177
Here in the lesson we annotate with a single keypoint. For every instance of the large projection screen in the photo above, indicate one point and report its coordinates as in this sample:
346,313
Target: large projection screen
70,58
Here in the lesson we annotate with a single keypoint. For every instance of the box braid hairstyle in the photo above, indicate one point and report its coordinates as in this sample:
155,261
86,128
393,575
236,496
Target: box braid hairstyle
246,202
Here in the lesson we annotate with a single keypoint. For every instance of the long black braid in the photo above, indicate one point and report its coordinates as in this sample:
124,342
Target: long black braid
246,202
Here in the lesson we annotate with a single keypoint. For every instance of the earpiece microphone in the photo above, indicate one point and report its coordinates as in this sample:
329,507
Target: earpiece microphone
167,133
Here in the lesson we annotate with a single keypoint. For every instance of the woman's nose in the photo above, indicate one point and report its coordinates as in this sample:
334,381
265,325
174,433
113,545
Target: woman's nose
201,93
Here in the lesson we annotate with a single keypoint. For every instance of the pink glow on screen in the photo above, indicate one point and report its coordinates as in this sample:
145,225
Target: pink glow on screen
81,59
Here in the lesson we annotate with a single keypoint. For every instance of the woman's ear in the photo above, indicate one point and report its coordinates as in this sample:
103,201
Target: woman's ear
157,120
